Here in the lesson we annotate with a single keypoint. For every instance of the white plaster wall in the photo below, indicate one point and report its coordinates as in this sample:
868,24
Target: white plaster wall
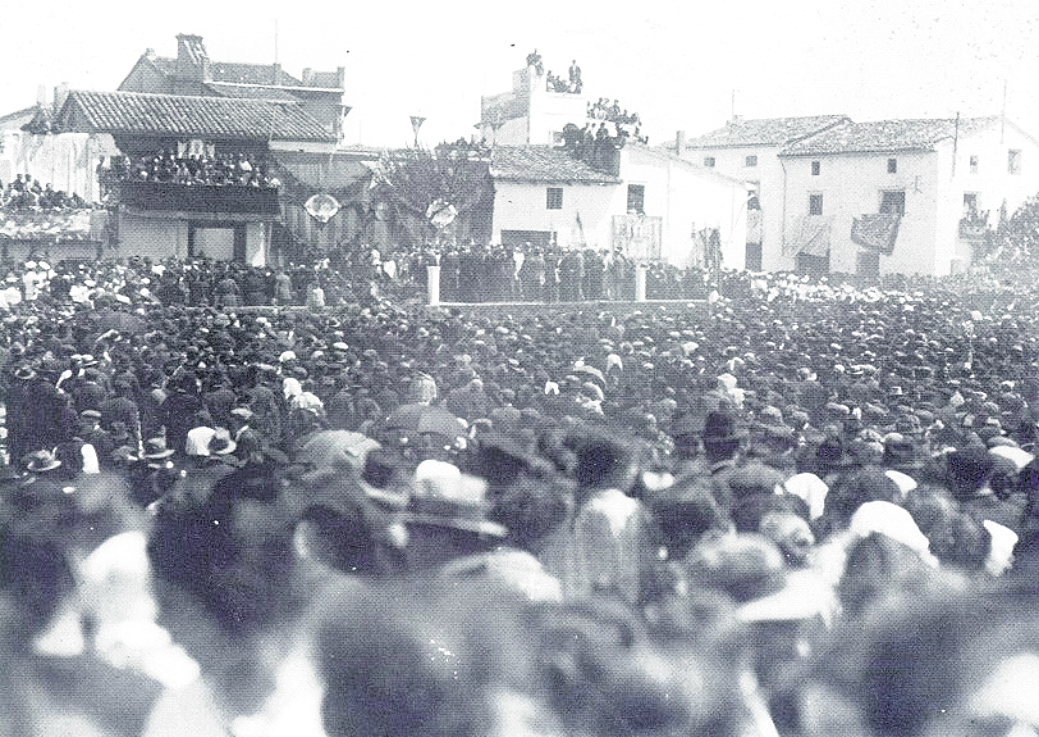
852,185
688,199
521,206
214,243
154,237
768,175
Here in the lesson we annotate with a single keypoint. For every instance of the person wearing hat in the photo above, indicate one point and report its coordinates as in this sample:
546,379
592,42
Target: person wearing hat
611,529
970,473
723,442
153,475
91,432
246,438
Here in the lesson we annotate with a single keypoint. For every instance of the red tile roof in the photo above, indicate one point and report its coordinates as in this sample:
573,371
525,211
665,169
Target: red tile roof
543,164
137,113
883,136
764,132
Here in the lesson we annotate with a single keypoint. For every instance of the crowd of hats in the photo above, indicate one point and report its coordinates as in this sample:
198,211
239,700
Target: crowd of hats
796,462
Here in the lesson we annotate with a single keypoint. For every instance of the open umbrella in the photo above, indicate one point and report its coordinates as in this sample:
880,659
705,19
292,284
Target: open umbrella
323,449
423,419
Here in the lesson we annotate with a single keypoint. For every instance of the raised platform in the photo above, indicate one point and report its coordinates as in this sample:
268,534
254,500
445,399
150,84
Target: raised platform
698,308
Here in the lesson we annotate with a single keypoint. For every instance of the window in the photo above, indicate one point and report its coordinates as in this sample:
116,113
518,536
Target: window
893,201
636,198
554,198
1014,161
708,161
892,166
751,161
817,166
815,204
973,163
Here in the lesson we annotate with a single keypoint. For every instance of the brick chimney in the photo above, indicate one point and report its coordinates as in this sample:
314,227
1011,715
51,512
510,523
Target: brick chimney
192,59
61,93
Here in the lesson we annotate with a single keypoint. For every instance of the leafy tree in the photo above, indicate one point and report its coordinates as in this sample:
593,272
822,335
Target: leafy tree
434,187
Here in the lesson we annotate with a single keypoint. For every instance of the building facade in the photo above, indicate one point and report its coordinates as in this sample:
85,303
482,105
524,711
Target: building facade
656,207
748,150
901,196
162,218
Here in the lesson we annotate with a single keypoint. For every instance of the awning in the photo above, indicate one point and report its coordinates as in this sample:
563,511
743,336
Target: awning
876,231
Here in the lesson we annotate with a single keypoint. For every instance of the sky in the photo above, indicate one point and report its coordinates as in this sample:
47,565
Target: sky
681,64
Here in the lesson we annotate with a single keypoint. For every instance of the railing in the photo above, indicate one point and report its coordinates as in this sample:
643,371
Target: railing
972,231
172,196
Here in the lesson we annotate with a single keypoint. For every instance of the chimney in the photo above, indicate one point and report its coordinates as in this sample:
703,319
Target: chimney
680,143
149,54
341,77
192,59
308,76
61,93
737,120
275,73
41,95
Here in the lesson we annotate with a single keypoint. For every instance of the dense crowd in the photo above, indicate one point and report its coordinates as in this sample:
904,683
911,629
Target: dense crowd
25,193
228,169
809,512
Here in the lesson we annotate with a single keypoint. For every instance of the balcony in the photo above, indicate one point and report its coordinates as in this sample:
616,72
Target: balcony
199,198
973,230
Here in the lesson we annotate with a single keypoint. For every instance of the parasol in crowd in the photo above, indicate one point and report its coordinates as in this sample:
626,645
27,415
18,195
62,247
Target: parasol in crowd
423,419
326,448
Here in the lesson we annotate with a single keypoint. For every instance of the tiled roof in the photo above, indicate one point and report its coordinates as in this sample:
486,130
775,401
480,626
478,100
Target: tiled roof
250,92
233,73
543,164
885,136
764,132
139,113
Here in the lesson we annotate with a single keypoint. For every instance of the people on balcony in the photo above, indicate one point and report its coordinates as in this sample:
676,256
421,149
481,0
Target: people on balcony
228,169
24,192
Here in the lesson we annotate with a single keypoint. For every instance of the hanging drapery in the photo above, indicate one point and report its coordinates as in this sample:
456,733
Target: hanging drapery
876,231
810,236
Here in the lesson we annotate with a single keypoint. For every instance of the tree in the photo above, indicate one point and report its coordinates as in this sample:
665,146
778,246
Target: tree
434,187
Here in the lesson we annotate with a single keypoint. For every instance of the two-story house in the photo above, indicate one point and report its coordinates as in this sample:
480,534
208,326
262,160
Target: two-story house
650,204
168,217
900,196
748,150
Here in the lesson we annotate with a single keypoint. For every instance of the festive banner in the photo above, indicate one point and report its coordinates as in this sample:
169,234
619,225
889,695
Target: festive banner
876,231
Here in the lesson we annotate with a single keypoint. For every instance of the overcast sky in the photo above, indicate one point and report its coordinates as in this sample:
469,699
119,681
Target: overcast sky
675,62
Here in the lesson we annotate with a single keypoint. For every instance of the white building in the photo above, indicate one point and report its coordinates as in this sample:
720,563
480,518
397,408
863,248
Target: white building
748,150
529,113
655,207
889,196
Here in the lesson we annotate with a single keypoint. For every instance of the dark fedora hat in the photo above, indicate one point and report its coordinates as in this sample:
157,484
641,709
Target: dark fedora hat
722,427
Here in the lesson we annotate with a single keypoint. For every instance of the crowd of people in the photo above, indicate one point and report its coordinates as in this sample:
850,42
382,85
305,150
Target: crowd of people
210,168
529,273
811,512
26,193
